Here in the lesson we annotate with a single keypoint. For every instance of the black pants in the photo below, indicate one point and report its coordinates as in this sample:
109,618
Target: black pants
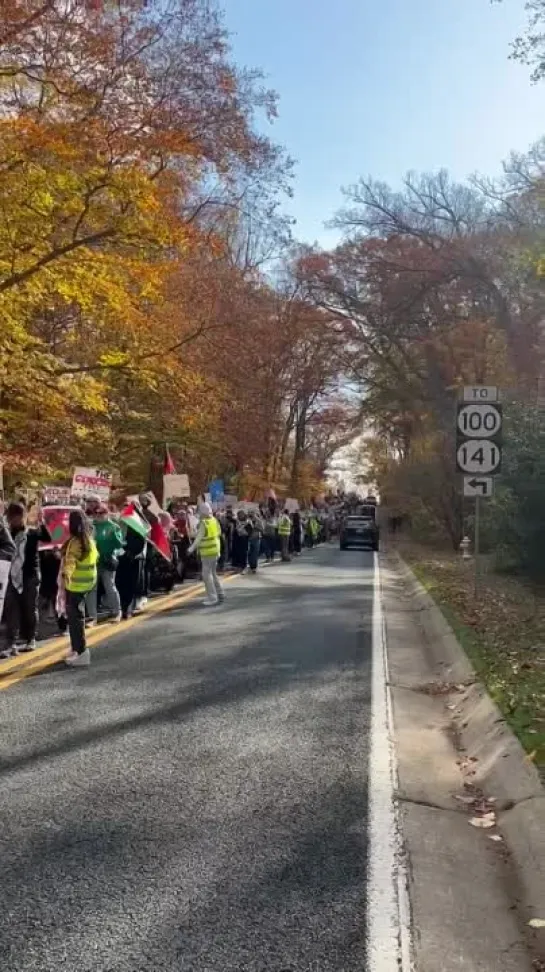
75,610
21,611
129,582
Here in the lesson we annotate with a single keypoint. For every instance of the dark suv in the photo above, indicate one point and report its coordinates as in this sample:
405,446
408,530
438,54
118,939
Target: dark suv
360,529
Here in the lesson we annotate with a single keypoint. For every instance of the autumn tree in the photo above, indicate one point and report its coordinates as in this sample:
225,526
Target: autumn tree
432,287
123,126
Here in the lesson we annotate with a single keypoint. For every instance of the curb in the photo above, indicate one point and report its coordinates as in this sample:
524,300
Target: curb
499,765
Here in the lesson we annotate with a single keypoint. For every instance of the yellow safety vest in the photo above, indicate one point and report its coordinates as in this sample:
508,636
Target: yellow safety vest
84,575
210,545
284,526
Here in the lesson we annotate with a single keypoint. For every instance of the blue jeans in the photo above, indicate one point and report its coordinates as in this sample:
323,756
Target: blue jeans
254,547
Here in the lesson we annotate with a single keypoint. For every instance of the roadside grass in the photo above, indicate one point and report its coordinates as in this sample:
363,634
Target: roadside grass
502,632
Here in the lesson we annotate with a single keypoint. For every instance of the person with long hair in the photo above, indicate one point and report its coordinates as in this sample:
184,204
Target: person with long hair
79,574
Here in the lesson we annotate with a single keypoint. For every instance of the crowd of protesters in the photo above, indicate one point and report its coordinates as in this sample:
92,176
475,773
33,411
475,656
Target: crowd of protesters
107,563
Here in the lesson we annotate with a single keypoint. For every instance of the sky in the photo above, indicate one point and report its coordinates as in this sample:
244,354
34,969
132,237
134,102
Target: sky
380,87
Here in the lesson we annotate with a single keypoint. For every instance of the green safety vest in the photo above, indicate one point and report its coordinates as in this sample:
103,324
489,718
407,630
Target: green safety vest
84,575
284,526
210,545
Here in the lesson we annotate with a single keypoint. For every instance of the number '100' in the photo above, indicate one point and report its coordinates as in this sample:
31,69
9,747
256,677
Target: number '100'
476,421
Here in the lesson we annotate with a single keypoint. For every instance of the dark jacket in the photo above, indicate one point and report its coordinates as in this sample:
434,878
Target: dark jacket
7,546
31,566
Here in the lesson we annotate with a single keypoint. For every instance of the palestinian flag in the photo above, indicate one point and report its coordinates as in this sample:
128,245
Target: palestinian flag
169,469
159,540
133,521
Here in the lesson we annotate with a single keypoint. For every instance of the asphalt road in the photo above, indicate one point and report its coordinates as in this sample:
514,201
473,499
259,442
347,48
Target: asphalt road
196,801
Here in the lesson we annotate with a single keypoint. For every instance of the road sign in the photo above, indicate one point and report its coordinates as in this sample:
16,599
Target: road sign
478,421
478,486
480,393
478,456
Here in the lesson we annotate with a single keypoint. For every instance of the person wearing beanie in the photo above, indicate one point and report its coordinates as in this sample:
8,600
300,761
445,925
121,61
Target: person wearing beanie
208,544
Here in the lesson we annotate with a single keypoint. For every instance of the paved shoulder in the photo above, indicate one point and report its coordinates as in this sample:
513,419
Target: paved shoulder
197,799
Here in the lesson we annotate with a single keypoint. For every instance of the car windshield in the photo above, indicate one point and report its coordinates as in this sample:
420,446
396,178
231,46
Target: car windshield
367,512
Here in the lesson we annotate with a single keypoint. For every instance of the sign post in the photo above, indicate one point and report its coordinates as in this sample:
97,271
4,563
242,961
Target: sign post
478,451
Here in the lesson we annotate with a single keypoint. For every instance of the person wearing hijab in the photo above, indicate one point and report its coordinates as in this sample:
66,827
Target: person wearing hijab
79,573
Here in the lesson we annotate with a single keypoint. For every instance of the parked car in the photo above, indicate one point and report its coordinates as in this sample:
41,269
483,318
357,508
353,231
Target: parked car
361,530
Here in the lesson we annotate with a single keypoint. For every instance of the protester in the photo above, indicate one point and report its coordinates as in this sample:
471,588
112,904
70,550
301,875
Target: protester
79,572
256,528
181,539
129,576
229,531
240,542
297,533
269,537
110,544
284,530
207,542
22,592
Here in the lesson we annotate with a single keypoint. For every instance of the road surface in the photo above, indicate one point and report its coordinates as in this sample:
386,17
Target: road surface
197,799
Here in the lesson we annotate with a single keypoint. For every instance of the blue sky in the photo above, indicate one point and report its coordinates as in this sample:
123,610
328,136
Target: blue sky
382,86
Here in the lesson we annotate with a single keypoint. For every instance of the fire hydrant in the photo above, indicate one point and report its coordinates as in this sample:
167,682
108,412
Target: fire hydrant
464,547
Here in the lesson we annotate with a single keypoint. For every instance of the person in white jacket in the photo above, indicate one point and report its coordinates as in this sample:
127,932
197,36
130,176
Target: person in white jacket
208,544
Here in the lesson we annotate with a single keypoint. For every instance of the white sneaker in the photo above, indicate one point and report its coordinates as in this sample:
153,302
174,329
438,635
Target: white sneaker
30,646
139,605
209,602
79,661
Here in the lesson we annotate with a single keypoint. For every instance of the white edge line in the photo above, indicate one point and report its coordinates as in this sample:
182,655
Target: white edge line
389,945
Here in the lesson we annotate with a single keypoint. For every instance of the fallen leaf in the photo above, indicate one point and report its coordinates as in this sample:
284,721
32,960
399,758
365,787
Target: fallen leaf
531,756
495,837
489,820
466,800
537,923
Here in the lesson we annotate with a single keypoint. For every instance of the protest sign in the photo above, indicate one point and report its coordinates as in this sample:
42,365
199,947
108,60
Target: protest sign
230,500
216,490
88,481
56,495
291,505
248,507
175,485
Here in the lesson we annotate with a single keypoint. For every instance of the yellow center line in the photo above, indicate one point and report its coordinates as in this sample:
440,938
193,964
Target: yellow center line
56,650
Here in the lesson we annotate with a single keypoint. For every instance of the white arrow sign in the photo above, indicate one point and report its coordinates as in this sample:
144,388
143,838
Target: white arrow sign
478,486
478,456
480,421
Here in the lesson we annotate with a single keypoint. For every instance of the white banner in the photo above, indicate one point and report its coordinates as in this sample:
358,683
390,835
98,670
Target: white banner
88,481
56,495
175,485
291,505
4,577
